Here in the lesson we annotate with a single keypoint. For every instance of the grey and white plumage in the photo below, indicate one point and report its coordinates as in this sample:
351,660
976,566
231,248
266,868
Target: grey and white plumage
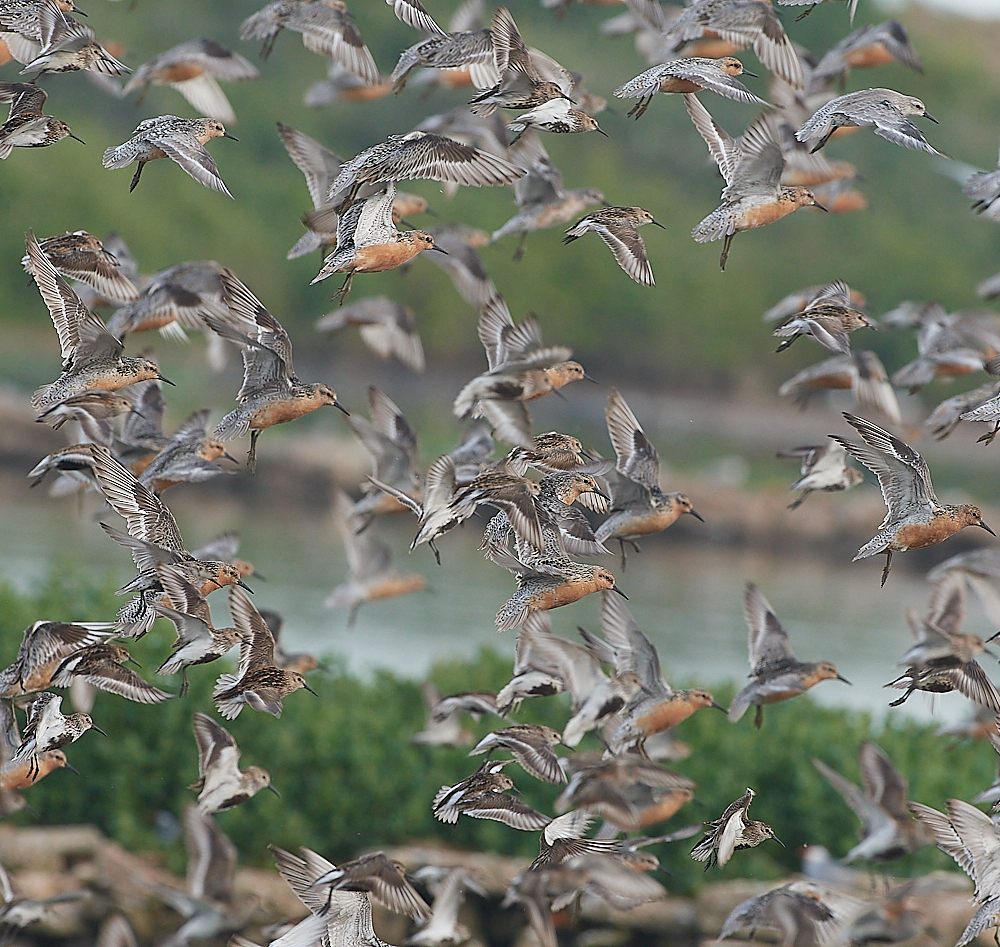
382,878
26,126
531,745
861,372
794,303
484,795
44,645
775,672
983,189
198,640
526,78
461,261
343,918
371,574
47,728
947,415
752,168
882,109
82,257
435,512
18,912
221,783
881,805
320,167
802,912
557,116
69,46
443,929
743,23
101,666
972,839
180,139
824,467
258,682
153,538
90,353
326,27
564,839
465,49
388,328
715,75
732,831
890,36
828,318
942,658
536,673
194,69
905,481
619,227
421,155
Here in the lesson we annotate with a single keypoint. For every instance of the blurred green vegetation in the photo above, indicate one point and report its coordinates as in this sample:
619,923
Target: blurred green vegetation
697,327
350,778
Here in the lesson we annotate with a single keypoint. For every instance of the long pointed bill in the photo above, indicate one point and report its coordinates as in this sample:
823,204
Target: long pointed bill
840,677
752,75
718,706
71,768
931,118
815,203
440,250
230,137
133,661
984,526
597,128
94,726
697,516
243,585
272,789
778,840
656,223
614,588
590,378
603,496
71,135
165,381
340,407
229,456
311,691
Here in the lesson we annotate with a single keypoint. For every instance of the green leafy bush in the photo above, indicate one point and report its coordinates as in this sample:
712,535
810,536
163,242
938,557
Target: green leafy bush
350,778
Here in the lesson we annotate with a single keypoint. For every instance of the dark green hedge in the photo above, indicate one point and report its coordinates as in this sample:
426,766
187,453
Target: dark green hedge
350,778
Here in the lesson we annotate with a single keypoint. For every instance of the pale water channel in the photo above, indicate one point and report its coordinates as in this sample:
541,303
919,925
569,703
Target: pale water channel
686,597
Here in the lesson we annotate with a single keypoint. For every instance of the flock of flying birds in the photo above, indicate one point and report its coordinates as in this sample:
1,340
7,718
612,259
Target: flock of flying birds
112,405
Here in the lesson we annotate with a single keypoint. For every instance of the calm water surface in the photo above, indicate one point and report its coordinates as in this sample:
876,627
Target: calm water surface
687,598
